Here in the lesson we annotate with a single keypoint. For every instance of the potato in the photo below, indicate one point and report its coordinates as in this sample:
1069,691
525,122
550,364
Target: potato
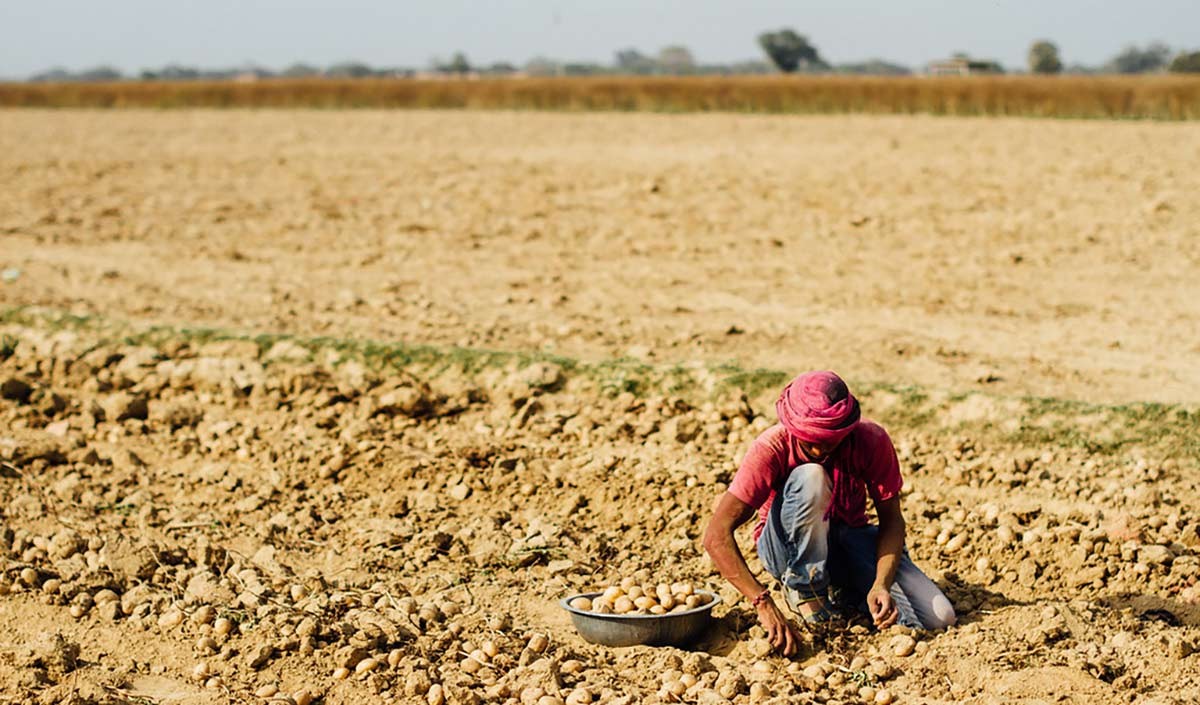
490,649
366,665
538,643
684,589
635,594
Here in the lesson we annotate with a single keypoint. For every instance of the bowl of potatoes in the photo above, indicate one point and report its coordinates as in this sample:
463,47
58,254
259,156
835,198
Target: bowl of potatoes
630,614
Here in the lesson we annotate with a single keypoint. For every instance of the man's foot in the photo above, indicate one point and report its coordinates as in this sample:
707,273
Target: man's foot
813,608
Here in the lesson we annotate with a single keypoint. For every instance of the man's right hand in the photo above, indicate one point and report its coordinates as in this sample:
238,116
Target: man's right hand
780,632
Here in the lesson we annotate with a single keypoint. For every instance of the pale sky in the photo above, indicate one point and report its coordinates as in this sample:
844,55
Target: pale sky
136,34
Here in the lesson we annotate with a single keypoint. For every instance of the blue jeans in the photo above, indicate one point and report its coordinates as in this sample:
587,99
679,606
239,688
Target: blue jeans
809,554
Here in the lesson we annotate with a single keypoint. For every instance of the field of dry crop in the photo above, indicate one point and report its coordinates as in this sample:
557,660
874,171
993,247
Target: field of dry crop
1172,97
335,406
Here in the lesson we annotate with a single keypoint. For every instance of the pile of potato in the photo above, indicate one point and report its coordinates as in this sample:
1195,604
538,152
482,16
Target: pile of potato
631,598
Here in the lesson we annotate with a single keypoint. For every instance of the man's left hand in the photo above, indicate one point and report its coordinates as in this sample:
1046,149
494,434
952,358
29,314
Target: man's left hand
882,606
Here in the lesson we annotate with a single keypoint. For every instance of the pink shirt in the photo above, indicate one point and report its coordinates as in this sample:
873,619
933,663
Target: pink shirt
864,463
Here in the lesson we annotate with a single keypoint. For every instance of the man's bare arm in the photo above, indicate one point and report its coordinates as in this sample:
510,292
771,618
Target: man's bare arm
887,561
722,547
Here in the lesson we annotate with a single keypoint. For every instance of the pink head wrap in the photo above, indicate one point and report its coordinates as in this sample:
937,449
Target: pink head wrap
817,407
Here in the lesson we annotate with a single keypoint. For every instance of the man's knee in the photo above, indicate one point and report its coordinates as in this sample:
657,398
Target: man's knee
807,485
941,613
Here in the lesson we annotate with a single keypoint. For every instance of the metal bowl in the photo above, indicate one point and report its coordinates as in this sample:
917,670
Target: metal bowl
671,629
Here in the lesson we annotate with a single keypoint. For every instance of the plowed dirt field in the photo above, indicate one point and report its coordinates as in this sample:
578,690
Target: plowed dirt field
335,406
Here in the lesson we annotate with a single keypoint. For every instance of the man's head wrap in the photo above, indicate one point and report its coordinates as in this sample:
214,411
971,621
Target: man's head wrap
817,407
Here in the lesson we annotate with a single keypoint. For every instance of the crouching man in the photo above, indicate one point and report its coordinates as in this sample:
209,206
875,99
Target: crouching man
808,477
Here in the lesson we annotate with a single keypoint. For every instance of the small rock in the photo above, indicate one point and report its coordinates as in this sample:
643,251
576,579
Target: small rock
760,648
417,683
109,611
259,656
561,565
1155,555
1123,527
541,375
287,351
407,401
177,413
65,544
170,619
350,656
708,696
123,405
730,684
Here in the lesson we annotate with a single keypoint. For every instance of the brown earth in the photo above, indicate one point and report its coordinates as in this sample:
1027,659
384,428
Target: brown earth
330,508
1051,258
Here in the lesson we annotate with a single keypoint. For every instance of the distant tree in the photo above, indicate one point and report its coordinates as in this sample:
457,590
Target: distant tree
175,72
458,64
54,75
584,68
349,69
873,67
99,73
634,61
676,60
1186,63
1134,60
1043,57
300,71
500,68
790,51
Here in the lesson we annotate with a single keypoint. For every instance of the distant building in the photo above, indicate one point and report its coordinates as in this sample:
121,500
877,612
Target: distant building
964,66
